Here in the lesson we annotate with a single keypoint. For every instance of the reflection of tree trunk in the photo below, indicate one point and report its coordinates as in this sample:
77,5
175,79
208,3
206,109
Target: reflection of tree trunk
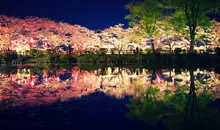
191,110
119,71
169,79
153,73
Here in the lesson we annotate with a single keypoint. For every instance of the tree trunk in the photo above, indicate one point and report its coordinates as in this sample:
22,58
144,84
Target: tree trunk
153,47
170,49
192,42
119,52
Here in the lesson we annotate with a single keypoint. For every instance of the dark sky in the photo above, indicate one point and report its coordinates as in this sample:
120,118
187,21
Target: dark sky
94,14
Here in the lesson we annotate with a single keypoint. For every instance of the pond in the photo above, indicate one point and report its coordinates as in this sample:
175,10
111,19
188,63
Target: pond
100,98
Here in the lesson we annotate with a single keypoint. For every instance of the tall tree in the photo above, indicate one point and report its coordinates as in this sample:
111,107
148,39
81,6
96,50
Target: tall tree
192,13
146,14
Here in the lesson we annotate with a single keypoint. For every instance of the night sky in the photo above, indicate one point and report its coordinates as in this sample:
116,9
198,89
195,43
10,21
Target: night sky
93,14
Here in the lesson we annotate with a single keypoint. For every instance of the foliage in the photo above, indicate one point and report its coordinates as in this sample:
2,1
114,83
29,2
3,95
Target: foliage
117,37
8,56
146,15
27,52
50,58
192,13
215,33
41,33
33,52
88,58
67,59
170,109
102,51
148,19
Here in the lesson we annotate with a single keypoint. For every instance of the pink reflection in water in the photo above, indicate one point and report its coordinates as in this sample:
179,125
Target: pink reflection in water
49,88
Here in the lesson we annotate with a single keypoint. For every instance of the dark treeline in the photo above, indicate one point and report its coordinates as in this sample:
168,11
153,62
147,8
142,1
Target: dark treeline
191,59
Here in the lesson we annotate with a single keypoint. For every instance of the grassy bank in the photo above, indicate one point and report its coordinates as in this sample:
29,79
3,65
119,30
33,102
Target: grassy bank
114,59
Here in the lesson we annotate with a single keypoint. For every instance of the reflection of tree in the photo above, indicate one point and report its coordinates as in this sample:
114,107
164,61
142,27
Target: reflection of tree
191,111
44,85
49,87
180,110
146,106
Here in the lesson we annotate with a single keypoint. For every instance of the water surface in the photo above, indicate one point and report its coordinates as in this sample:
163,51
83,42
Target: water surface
36,97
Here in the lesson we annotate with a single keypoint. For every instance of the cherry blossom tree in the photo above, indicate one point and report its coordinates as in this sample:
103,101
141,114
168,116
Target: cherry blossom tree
40,33
4,38
80,38
116,36
168,36
10,34
215,34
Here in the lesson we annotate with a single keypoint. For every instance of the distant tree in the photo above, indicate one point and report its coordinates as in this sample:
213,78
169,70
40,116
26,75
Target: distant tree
18,33
116,36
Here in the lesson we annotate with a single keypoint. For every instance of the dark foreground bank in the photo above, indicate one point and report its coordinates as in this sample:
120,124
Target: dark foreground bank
186,59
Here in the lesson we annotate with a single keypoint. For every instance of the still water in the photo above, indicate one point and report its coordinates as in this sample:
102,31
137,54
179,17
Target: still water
36,97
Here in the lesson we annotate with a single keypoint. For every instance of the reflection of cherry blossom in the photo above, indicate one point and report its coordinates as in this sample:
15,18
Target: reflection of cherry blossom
24,89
